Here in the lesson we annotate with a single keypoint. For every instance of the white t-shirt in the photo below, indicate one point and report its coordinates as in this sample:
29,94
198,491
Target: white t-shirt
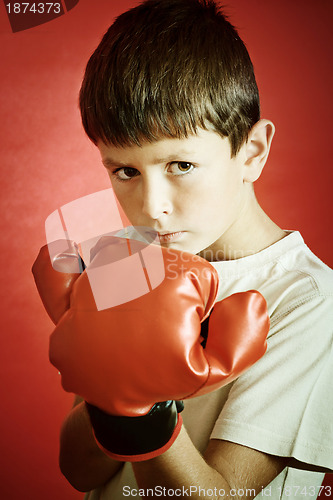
283,405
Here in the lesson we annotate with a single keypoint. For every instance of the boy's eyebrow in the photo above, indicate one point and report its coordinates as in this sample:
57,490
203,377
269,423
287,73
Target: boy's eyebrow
109,162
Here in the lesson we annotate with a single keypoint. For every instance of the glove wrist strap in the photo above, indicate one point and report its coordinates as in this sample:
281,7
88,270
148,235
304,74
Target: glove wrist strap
134,439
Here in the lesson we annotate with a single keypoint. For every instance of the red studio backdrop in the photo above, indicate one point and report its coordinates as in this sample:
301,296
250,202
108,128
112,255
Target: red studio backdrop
46,161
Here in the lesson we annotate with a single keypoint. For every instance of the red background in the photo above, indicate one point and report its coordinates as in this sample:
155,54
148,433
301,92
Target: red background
47,161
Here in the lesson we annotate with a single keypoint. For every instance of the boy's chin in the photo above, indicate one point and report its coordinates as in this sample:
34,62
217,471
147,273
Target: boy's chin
188,248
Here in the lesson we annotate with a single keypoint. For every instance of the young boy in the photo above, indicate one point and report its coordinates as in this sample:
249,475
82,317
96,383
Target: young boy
170,99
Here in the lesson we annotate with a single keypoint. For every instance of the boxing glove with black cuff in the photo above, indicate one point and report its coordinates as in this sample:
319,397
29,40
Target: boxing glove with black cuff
132,362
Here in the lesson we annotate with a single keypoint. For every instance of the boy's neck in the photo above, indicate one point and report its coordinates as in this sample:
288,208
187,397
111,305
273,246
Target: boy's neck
253,231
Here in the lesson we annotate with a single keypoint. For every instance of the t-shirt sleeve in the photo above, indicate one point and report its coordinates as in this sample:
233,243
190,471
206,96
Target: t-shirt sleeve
283,405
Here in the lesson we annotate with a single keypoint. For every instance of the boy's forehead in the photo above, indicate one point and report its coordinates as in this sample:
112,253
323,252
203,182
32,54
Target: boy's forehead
164,149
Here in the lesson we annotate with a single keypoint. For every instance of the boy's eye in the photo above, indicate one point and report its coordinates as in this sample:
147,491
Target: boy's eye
126,173
181,167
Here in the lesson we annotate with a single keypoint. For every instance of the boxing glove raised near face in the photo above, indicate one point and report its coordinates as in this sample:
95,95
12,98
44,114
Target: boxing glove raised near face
125,358
56,268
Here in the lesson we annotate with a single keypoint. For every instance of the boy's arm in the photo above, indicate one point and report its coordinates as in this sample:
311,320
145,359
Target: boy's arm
224,467
81,461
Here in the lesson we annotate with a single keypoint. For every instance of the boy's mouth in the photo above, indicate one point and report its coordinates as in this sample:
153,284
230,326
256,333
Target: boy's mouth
166,237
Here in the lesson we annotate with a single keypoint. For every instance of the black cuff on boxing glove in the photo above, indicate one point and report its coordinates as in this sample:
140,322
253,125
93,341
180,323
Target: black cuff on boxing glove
134,439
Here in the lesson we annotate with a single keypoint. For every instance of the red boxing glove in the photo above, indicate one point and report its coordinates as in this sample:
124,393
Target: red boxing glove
126,358
55,277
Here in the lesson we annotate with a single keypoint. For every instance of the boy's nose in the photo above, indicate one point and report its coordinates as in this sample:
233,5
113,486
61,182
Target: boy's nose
156,200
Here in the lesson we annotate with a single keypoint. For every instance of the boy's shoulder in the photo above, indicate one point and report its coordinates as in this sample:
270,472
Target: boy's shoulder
301,296
288,274
301,266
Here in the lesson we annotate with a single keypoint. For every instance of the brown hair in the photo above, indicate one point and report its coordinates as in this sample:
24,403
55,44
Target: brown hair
165,68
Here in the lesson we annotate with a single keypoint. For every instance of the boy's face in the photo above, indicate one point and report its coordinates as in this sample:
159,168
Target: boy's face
188,190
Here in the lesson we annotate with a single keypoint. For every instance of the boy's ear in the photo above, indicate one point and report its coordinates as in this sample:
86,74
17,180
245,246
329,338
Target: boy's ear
257,149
